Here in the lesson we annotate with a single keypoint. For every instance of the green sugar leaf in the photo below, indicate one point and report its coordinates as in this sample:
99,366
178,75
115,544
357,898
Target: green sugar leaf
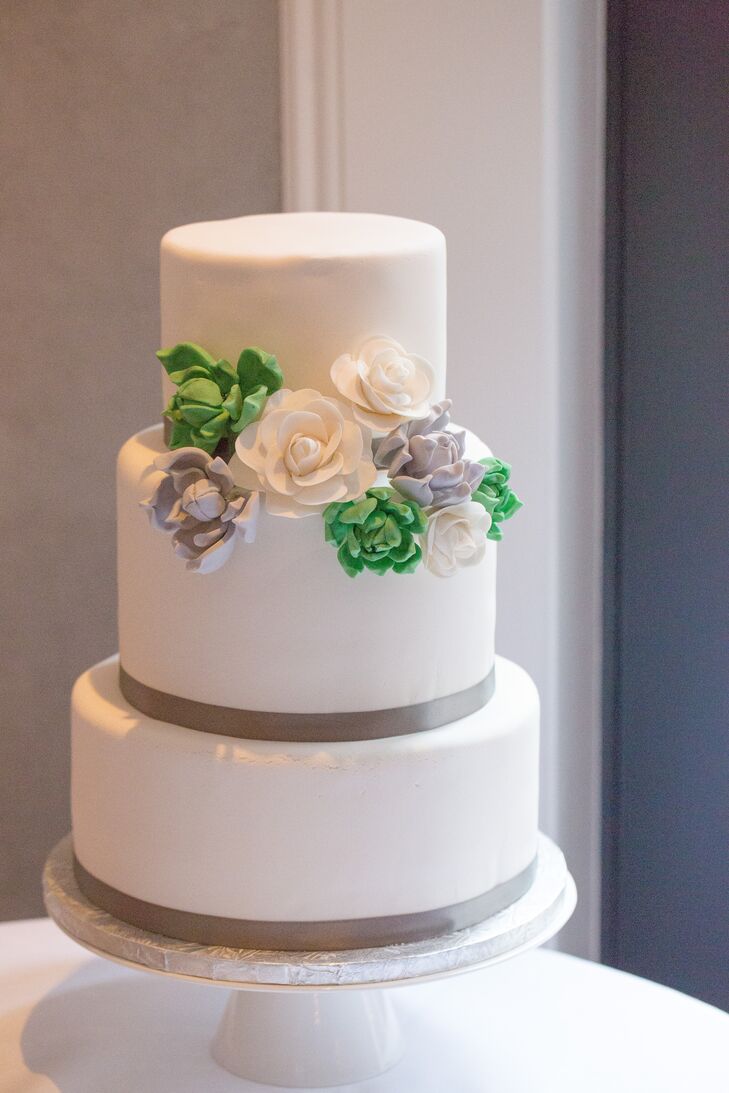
256,368
183,356
358,511
375,532
199,390
351,566
496,496
214,399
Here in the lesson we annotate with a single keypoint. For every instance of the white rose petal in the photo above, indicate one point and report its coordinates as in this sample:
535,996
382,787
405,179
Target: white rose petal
455,537
307,451
386,385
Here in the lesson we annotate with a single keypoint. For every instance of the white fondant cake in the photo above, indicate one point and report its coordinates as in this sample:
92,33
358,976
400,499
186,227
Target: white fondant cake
307,287
284,756
298,832
280,628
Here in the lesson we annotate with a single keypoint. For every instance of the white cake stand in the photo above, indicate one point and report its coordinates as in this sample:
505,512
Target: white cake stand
313,1020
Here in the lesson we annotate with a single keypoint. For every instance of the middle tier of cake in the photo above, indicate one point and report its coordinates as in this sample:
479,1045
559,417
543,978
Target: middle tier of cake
304,846
280,627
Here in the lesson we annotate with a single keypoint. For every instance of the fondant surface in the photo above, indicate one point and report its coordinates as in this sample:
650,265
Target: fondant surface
266,831
301,832
281,627
307,287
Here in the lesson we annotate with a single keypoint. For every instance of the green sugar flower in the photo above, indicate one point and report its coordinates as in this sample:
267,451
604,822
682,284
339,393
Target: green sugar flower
496,495
215,401
378,532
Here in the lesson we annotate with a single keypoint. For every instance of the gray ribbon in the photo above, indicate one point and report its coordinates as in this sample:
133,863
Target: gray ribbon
311,728
357,933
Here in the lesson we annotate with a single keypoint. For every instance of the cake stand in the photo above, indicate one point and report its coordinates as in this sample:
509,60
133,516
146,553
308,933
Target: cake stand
316,1019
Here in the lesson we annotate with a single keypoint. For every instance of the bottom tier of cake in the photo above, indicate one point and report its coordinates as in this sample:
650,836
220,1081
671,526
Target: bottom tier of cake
303,846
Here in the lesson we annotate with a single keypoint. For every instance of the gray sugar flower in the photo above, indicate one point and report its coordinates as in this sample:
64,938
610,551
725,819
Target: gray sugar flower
197,501
426,463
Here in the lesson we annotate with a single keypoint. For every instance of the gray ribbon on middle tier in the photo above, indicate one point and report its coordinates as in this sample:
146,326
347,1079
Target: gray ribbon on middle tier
304,727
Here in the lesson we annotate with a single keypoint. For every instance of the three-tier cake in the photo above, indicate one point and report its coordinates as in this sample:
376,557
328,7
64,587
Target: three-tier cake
307,741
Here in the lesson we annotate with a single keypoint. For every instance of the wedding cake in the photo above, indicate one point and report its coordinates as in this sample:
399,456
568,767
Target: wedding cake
306,741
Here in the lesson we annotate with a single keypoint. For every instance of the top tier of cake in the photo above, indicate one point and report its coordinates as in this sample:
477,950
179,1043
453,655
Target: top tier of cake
307,287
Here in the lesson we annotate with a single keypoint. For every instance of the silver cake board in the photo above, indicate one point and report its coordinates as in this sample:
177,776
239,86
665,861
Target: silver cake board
314,1019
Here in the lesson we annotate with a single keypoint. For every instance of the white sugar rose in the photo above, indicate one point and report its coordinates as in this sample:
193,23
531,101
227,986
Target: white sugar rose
307,451
385,385
455,537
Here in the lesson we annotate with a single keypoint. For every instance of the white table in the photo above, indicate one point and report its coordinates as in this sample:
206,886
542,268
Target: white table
541,1023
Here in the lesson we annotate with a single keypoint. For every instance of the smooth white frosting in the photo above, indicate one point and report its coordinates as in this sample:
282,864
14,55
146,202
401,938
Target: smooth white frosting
273,831
307,287
247,829
281,626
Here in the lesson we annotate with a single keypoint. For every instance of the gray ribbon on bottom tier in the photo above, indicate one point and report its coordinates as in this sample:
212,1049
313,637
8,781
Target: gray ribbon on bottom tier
359,933
314,728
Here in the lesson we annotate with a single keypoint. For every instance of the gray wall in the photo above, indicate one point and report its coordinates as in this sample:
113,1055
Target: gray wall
120,119
666,769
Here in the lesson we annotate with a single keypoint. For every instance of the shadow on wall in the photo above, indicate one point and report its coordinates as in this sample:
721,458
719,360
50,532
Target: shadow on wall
98,1032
